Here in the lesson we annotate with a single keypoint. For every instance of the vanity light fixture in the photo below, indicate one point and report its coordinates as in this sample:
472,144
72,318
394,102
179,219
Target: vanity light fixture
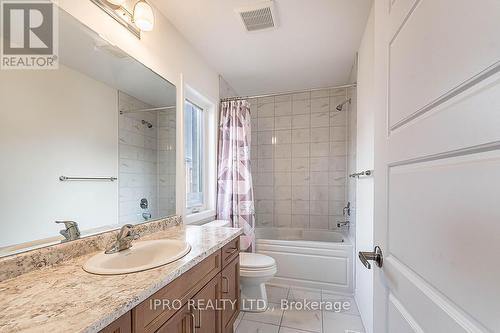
117,2
139,18
143,16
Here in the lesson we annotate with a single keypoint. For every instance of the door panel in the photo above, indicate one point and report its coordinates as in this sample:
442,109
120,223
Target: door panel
437,155
400,319
439,213
230,291
180,322
208,319
434,52
421,305
477,110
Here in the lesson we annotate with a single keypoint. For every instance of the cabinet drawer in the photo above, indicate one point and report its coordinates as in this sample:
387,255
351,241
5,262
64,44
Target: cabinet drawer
230,251
147,318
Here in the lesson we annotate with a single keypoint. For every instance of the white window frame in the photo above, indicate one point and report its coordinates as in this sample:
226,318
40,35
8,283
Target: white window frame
202,158
209,156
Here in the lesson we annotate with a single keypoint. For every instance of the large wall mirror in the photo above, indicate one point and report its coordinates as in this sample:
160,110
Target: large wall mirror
92,142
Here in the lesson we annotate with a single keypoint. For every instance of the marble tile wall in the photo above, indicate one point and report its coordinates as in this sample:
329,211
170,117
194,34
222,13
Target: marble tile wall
166,162
138,154
299,159
147,161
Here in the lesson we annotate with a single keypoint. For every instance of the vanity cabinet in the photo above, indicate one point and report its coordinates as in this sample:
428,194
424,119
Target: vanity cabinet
181,322
230,280
206,315
192,303
121,325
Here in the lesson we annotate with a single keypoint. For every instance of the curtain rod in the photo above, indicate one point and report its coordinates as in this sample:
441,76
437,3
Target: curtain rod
149,109
235,98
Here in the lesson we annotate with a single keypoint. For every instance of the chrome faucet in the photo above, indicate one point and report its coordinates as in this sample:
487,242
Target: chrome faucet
123,240
346,211
71,232
345,224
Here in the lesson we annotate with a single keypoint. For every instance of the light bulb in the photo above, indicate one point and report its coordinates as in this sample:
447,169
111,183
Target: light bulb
117,2
144,18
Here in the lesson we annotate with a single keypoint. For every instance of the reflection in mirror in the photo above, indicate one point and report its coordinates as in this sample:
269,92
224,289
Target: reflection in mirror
103,116
147,160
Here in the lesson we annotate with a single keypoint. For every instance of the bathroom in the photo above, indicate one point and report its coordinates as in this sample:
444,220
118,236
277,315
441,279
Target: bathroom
270,166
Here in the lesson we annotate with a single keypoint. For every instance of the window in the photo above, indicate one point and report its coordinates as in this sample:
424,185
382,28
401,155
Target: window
200,156
193,148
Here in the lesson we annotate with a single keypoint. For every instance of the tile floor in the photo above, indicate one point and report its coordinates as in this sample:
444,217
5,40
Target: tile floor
275,320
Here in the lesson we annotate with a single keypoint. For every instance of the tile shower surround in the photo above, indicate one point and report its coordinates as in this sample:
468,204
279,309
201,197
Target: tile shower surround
147,161
299,159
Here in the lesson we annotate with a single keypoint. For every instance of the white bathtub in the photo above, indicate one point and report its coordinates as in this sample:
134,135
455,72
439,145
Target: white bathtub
309,258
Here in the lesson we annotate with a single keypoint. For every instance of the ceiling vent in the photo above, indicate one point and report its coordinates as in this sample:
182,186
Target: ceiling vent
260,16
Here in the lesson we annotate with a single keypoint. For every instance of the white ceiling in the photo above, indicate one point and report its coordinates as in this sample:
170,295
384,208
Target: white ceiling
314,45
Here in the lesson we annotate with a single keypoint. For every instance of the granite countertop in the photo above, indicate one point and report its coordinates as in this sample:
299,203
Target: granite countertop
65,298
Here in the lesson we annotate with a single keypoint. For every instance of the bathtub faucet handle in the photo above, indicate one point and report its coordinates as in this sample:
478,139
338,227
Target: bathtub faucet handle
345,224
347,209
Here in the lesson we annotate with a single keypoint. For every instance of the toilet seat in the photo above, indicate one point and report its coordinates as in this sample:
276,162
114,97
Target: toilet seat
255,261
258,273
256,265
218,223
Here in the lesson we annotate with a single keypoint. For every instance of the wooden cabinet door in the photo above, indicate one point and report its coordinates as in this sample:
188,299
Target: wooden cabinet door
207,318
148,320
181,322
121,325
230,294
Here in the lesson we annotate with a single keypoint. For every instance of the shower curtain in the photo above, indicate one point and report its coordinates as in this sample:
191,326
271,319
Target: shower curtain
234,178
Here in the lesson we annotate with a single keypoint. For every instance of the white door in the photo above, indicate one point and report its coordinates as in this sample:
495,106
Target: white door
437,166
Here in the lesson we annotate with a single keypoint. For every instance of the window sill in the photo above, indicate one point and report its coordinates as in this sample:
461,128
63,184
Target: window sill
197,218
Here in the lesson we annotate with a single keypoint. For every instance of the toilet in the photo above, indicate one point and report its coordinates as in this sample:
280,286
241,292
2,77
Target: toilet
255,270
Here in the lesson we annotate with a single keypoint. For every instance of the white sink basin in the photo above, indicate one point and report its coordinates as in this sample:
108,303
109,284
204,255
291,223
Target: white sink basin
143,255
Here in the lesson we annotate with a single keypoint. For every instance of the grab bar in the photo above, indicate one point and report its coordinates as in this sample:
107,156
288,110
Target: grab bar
65,178
362,173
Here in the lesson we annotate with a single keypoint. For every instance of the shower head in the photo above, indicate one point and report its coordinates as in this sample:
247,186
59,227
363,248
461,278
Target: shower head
341,105
147,123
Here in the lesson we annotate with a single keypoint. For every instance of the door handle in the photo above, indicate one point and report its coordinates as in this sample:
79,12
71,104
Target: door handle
376,256
225,286
193,321
231,251
193,316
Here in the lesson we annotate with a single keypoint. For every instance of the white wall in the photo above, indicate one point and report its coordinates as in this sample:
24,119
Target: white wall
365,161
166,52
225,88
68,126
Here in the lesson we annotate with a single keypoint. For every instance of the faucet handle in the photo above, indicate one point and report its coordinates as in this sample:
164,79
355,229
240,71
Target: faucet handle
125,231
347,209
68,224
343,224
124,239
71,232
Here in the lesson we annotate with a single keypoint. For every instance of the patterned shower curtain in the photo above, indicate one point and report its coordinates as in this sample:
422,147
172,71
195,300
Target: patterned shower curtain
234,178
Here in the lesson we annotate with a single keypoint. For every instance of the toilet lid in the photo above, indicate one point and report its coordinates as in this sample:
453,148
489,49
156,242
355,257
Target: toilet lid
218,223
254,260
